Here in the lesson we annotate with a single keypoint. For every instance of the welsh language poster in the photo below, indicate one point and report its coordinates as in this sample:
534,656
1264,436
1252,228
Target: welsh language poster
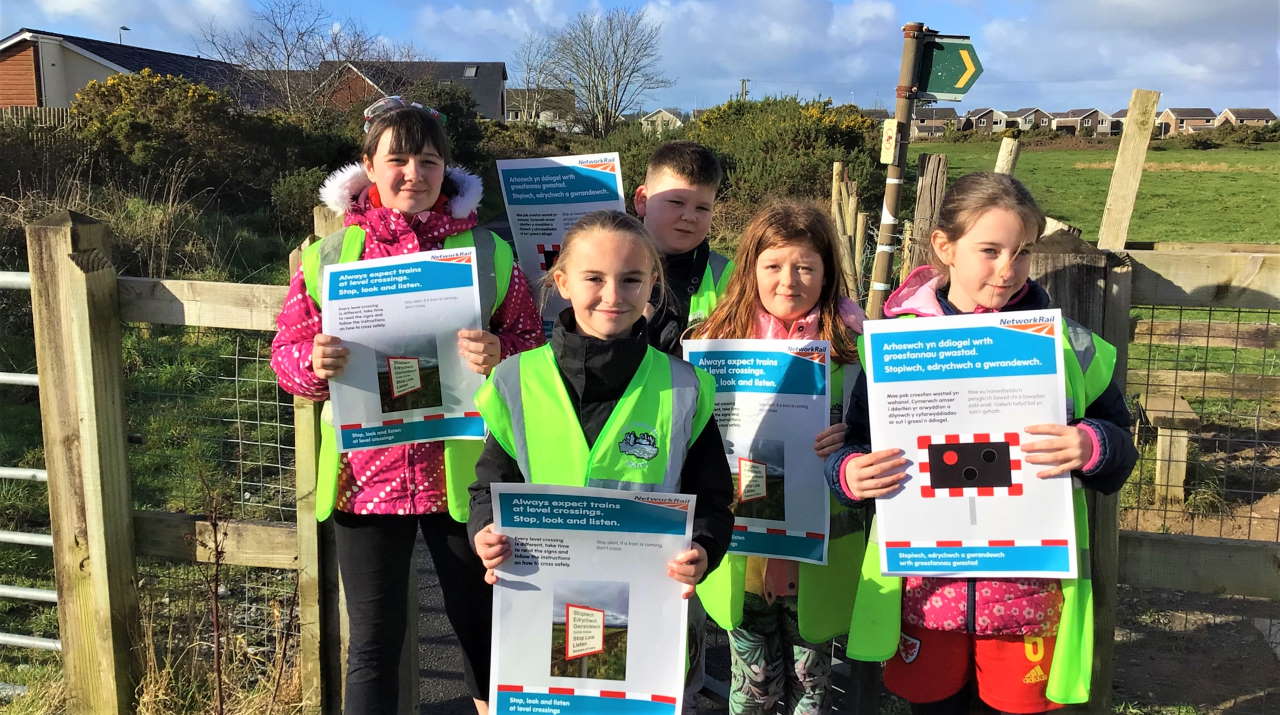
545,197
400,317
585,619
771,402
956,393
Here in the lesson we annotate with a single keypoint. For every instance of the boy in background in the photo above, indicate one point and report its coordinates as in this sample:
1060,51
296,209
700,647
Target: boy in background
676,202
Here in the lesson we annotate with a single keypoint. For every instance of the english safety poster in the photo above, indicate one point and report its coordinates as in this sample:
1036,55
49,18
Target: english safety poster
955,394
399,317
771,402
585,618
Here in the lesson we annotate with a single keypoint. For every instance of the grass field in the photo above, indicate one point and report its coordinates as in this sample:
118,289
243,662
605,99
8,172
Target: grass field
1211,196
609,665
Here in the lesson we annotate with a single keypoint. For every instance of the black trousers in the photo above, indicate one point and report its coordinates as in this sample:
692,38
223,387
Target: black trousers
375,553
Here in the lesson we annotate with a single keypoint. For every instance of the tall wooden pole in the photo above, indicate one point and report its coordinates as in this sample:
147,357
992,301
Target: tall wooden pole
75,311
912,34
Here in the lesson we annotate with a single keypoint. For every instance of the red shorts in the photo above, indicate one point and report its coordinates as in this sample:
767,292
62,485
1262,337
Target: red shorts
1012,671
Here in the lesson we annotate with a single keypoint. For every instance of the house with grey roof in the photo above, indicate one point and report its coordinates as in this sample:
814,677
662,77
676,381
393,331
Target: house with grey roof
353,83
1185,120
39,68
1028,118
1085,121
546,107
932,121
984,119
1258,116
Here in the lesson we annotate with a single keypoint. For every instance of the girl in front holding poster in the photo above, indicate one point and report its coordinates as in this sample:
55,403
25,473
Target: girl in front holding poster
567,413
1023,644
401,199
781,615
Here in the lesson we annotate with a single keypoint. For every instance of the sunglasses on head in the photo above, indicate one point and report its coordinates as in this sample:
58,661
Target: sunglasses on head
392,103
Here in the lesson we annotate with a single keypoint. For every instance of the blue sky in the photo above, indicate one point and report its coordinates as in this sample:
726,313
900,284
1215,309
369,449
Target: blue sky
1055,54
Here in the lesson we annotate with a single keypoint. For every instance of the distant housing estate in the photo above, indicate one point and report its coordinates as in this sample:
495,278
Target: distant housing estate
933,121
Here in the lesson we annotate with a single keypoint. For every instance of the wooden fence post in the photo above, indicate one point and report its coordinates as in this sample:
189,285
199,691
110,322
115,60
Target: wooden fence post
1007,159
1093,288
860,244
930,186
840,199
77,335
1127,173
318,673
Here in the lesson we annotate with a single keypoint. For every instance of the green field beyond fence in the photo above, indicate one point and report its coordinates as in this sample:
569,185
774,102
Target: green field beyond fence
1209,196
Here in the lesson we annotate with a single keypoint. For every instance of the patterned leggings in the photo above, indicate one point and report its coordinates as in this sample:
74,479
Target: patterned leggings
772,663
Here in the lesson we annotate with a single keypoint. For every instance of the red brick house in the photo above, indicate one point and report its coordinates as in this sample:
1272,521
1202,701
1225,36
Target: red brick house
45,69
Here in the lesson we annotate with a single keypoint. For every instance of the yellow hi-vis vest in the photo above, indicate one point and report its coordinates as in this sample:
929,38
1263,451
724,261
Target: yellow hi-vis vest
494,261
874,632
715,278
824,593
642,446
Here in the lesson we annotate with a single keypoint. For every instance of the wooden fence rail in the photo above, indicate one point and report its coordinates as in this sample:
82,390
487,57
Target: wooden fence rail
79,304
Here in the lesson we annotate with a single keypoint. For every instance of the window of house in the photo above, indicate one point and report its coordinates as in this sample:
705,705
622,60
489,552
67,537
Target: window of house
1088,122
982,122
470,70
1044,121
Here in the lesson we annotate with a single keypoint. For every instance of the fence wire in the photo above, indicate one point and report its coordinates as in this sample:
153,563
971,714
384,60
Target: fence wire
1205,385
210,432
207,423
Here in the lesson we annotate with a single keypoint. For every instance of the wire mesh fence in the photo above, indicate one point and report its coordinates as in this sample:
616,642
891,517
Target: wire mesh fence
207,424
1206,390
210,433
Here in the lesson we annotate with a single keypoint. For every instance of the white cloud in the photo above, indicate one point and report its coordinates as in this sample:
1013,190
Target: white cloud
1095,51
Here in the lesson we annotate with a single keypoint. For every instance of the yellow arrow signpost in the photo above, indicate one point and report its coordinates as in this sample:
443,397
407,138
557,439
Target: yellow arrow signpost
949,67
933,67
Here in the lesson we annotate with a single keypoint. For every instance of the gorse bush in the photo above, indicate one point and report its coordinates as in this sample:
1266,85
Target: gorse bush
294,196
781,146
138,122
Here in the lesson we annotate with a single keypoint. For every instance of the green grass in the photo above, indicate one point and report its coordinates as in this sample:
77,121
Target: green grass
1199,358
1174,206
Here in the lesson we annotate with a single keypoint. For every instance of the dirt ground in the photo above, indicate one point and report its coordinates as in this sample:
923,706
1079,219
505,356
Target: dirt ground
1259,520
1180,652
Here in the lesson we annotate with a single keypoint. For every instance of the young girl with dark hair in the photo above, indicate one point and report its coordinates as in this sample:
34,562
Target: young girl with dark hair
402,198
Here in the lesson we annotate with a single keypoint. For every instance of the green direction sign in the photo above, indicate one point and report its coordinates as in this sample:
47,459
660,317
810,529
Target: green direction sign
948,68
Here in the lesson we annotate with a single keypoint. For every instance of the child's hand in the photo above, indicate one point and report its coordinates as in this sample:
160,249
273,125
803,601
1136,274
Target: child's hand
480,348
1069,448
493,549
829,439
328,357
687,568
873,475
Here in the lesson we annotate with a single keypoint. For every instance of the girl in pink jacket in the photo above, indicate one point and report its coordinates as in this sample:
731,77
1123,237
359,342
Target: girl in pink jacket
406,200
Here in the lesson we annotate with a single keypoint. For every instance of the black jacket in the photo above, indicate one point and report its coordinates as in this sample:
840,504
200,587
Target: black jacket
595,374
685,272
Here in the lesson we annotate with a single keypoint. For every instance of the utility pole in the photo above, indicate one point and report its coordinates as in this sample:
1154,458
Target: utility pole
742,90
912,34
